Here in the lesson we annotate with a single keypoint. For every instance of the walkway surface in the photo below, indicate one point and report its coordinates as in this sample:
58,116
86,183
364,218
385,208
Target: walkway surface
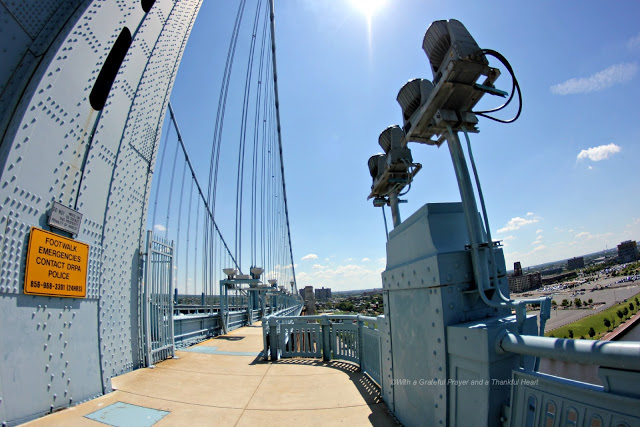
224,382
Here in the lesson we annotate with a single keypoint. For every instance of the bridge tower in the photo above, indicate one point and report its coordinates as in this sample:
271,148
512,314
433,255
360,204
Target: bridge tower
83,91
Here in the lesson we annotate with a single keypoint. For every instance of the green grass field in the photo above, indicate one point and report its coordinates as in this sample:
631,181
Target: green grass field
581,327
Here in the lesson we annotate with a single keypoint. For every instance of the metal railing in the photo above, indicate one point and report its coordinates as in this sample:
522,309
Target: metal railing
191,329
352,338
539,399
158,301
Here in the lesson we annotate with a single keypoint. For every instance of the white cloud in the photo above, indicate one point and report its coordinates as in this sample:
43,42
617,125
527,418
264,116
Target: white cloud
159,227
537,241
529,213
342,277
584,234
318,267
634,42
590,167
348,260
618,73
309,256
601,152
539,230
517,222
365,260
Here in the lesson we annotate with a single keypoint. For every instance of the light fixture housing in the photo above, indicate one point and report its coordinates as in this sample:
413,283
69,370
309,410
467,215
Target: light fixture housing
230,272
450,41
411,97
256,272
392,171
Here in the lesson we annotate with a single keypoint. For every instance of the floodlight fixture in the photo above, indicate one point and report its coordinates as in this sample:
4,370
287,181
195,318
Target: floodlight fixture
376,164
230,272
392,171
449,41
398,155
461,76
273,282
412,96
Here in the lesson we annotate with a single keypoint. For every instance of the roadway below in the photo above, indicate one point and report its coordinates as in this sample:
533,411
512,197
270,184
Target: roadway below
224,382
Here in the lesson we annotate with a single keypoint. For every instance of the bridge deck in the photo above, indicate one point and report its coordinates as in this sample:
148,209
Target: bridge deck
223,381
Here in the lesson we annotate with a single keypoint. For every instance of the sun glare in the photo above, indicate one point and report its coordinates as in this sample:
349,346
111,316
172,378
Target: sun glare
368,7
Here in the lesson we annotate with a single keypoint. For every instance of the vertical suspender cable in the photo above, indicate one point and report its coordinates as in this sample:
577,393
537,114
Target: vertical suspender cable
186,261
176,254
209,215
243,137
173,172
275,89
155,203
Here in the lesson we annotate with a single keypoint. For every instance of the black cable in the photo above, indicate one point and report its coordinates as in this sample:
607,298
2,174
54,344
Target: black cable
243,137
256,140
515,88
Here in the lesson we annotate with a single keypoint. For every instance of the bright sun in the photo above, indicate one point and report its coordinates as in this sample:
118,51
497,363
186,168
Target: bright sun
368,7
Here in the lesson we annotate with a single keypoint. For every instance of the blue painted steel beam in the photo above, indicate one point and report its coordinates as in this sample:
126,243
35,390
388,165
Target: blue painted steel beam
621,355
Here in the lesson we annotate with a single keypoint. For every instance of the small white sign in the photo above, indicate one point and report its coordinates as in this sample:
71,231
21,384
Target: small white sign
65,218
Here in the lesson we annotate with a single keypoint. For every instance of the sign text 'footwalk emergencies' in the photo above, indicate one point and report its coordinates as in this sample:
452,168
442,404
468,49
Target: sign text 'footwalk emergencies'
56,265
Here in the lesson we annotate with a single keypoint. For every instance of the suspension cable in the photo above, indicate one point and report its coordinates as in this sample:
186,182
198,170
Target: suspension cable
195,179
277,104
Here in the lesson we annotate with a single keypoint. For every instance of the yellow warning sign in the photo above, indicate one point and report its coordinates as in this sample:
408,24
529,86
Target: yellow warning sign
56,265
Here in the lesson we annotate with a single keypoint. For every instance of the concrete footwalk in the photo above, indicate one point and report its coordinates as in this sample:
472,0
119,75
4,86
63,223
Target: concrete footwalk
223,382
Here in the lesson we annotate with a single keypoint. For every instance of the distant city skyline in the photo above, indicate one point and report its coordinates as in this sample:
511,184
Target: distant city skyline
558,183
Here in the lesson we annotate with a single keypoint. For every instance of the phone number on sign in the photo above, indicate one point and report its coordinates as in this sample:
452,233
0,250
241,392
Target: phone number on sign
55,286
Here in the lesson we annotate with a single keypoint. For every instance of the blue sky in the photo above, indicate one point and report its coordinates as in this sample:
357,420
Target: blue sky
559,182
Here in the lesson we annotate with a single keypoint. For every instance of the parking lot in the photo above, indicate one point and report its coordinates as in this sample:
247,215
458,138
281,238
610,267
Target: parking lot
604,292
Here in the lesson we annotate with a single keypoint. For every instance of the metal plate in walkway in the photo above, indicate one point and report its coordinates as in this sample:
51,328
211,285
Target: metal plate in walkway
122,414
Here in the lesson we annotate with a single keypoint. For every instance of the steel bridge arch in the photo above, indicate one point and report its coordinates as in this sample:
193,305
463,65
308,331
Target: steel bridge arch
83,94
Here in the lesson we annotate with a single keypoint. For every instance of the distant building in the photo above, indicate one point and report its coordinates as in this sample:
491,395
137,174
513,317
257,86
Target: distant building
525,282
575,263
309,300
323,294
627,251
517,269
556,278
552,271
372,292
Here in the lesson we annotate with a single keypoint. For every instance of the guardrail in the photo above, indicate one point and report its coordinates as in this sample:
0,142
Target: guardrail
539,399
353,338
190,329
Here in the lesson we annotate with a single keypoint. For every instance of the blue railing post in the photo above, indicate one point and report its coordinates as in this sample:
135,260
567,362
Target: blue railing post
359,344
273,338
325,324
